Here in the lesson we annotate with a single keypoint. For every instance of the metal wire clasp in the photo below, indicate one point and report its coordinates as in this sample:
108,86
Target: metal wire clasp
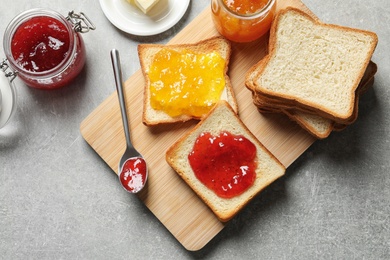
81,23
11,75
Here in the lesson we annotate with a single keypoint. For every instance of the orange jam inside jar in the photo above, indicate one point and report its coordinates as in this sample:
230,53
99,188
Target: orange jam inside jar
185,82
243,20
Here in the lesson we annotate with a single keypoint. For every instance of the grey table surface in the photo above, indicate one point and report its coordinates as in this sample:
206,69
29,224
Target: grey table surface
58,200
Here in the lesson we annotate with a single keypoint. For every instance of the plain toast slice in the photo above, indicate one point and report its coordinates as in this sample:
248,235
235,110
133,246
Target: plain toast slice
315,66
315,124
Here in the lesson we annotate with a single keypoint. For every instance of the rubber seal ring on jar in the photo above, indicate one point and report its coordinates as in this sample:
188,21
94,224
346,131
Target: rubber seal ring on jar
7,93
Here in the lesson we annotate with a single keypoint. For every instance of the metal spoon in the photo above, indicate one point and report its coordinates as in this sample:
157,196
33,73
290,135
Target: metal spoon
133,171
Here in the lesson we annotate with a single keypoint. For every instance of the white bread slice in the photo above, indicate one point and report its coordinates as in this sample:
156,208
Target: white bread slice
314,66
223,118
321,127
316,125
147,52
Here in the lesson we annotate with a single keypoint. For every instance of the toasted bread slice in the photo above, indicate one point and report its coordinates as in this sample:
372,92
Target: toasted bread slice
313,66
316,125
321,127
147,54
223,118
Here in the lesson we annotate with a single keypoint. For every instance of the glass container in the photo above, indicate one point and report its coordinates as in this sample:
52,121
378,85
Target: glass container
243,20
45,48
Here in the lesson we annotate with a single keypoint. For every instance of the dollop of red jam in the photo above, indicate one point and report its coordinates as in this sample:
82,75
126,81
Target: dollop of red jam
40,44
133,174
225,163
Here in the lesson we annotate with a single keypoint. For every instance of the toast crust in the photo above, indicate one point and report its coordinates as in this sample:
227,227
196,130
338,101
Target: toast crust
146,53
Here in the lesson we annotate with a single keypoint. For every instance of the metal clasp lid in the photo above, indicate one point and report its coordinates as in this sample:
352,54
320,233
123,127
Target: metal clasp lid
7,71
81,23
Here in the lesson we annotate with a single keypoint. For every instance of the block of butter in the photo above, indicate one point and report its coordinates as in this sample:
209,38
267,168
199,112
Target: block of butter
145,5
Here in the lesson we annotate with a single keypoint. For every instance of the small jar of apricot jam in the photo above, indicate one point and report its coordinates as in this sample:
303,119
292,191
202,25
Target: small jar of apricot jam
46,49
243,20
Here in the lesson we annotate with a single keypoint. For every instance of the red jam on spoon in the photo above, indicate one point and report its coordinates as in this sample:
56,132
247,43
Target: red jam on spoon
225,163
133,174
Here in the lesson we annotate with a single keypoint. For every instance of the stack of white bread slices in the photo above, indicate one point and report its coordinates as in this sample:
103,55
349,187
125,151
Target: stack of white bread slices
314,72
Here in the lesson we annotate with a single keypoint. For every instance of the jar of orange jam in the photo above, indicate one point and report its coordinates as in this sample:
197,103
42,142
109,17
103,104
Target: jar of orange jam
243,20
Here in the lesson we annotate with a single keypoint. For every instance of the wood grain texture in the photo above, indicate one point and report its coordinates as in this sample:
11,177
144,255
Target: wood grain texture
189,220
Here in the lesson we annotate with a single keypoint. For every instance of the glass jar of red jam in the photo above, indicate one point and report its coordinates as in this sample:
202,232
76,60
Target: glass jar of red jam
243,20
45,48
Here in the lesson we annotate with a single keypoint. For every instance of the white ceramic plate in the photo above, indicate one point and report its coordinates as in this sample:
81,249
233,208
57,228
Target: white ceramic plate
128,18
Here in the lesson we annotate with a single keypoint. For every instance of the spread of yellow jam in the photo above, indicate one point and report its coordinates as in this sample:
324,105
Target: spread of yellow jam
185,82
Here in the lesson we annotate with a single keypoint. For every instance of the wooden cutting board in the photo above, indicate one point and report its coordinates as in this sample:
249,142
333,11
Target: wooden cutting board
189,220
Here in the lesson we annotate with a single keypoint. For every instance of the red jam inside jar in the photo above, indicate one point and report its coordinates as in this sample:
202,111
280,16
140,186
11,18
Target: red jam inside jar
40,44
45,50
225,163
